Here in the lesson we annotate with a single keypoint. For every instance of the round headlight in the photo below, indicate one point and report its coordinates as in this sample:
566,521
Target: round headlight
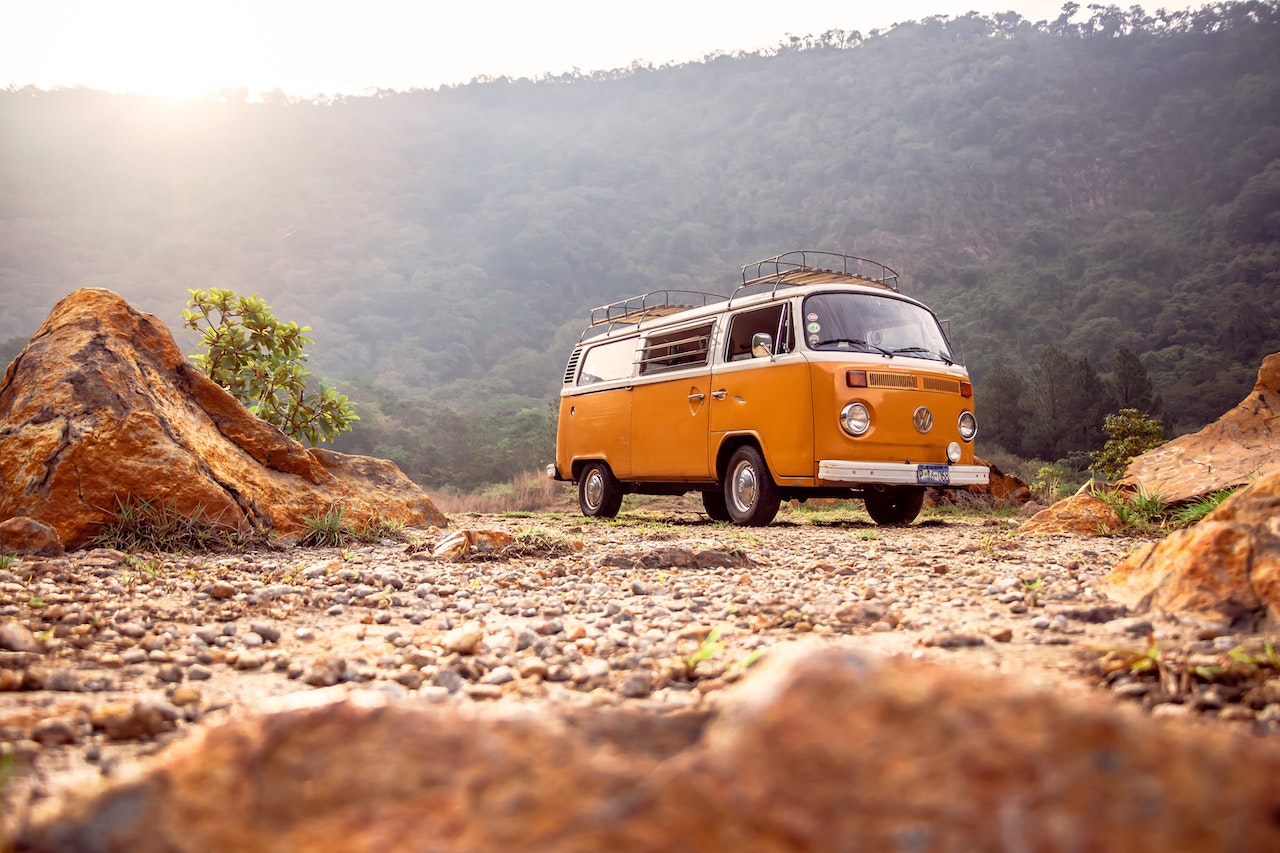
953,452
855,419
968,426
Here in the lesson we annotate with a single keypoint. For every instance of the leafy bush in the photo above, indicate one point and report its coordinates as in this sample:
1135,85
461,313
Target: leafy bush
259,359
1131,434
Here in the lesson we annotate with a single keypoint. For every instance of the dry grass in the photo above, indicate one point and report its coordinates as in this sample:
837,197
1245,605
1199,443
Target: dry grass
529,492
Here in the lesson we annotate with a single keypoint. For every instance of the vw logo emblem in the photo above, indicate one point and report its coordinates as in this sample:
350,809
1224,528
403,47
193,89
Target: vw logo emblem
923,419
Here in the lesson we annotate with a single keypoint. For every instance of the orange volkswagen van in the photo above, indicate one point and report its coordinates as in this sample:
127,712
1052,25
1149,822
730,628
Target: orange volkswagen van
814,378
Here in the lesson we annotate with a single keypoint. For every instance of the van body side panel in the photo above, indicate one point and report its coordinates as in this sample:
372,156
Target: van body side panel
893,436
669,427
595,425
772,400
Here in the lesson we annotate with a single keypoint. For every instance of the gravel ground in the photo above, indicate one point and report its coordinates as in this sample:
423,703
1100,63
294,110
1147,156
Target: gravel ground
108,657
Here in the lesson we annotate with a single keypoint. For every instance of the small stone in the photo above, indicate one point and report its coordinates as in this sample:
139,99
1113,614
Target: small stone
250,660
199,672
54,731
16,637
1001,635
222,590
464,639
170,673
499,675
266,631
129,721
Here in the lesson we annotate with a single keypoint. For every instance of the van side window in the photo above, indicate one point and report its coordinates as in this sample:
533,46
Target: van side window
605,362
688,347
773,321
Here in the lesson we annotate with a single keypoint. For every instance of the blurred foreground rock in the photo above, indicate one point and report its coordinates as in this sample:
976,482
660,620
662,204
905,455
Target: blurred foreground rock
1238,448
101,407
819,749
1225,570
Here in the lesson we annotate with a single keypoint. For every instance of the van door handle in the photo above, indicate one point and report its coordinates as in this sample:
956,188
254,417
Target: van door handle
719,395
697,397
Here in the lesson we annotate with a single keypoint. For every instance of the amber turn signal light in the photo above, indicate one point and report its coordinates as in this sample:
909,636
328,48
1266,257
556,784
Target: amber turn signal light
856,378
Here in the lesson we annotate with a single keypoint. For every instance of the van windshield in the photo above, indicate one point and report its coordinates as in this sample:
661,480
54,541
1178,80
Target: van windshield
865,322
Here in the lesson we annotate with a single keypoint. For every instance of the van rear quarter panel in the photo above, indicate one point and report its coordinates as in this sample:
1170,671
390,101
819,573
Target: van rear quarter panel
893,436
595,425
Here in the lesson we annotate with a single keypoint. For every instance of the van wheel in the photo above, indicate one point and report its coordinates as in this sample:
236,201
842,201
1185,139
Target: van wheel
891,506
713,502
599,492
750,495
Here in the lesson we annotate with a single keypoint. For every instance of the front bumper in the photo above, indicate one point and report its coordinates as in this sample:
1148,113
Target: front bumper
899,473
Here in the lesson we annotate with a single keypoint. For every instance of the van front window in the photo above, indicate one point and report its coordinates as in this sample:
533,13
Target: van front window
865,322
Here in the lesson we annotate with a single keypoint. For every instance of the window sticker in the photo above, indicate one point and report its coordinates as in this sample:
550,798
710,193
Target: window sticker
813,328
812,317
813,340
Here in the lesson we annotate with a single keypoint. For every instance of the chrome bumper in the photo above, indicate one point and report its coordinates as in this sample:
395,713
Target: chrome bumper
897,473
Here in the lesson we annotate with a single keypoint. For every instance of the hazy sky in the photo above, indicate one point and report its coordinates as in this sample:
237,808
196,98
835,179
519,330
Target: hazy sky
308,47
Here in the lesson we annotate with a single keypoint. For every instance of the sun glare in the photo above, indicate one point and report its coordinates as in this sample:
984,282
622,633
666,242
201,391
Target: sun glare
172,50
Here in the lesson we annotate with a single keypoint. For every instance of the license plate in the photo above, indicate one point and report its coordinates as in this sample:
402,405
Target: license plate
933,475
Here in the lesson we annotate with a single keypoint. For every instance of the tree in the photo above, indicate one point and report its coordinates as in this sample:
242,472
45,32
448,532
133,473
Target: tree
259,359
1066,400
999,404
1131,433
1132,383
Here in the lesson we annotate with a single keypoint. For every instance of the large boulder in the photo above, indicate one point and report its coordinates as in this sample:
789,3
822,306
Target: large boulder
102,408
1224,571
821,749
1238,448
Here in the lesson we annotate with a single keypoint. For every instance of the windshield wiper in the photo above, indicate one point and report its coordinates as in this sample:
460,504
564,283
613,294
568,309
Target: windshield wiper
855,342
923,351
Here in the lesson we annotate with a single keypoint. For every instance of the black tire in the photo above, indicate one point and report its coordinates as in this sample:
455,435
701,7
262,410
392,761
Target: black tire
599,492
750,495
713,503
894,505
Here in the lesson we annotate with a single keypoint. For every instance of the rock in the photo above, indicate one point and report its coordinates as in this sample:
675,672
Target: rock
465,639
462,542
1241,446
1224,570
16,637
101,407
129,721
1078,515
25,535
1001,490
816,749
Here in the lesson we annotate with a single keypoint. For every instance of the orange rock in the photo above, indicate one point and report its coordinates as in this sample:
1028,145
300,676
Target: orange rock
1236,449
23,535
1078,515
817,749
101,407
1224,570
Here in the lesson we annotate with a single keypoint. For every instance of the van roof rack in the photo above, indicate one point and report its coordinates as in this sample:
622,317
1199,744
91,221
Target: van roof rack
636,309
807,266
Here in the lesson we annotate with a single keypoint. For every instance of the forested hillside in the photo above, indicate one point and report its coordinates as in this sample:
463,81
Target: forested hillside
1096,196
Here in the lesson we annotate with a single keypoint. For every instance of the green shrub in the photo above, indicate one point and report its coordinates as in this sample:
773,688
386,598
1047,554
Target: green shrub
259,359
1131,433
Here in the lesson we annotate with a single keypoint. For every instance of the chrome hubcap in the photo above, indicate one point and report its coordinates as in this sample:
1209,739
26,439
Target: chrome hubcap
595,489
744,487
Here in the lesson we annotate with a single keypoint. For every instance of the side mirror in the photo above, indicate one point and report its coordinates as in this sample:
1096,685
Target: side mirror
761,345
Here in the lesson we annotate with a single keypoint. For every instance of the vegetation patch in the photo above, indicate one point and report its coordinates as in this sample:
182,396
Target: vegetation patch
152,525
1243,683
334,529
